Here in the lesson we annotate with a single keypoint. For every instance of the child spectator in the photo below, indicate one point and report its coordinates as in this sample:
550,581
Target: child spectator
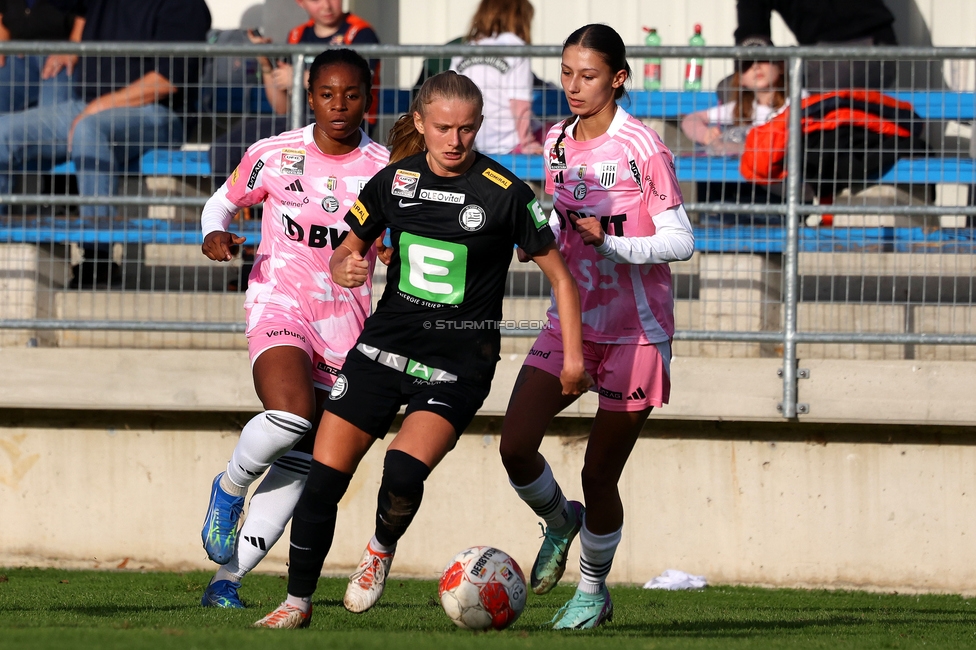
327,25
757,92
32,79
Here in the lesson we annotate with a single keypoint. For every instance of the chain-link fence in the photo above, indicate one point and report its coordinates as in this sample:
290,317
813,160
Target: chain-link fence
842,230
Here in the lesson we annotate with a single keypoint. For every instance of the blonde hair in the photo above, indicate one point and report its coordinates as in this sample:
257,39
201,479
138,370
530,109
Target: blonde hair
404,139
494,17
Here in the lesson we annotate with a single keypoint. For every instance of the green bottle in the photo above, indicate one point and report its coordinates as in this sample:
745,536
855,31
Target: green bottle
652,66
693,67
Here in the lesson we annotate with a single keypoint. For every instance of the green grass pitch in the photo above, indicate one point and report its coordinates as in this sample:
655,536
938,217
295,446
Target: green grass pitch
91,609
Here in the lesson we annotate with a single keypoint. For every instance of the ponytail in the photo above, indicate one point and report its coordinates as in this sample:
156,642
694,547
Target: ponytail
404,139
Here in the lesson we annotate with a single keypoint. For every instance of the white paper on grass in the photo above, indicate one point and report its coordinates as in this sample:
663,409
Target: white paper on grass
674,580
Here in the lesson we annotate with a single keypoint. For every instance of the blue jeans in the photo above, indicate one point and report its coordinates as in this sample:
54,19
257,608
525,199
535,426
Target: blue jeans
105,144
21,86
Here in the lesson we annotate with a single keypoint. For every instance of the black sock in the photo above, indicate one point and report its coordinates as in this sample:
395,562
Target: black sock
400,494
313,527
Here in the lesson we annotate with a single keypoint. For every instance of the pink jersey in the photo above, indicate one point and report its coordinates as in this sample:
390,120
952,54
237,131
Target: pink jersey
306,196
624,178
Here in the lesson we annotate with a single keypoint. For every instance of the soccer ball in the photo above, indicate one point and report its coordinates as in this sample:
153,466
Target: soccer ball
482,588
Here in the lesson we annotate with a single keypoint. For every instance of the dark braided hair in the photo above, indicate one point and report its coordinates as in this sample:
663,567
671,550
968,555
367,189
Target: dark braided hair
342,56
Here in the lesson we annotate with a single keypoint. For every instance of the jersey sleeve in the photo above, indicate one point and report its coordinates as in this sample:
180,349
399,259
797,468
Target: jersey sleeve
365,217
245,186
660,190
531,230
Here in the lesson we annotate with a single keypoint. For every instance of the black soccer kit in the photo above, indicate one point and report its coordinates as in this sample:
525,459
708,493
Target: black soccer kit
434,339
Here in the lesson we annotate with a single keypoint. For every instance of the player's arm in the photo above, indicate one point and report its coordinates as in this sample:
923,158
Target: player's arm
216,217
573,377
672,241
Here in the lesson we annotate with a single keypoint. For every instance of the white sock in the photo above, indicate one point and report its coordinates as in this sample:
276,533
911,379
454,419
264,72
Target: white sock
265,438
596,558
545,498
270,509
380,548
303,604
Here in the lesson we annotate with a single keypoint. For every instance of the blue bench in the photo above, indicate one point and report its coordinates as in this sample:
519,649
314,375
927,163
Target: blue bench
551,103
710,239
726,168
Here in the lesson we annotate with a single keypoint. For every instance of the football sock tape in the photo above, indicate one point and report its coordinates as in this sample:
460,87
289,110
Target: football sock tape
401,492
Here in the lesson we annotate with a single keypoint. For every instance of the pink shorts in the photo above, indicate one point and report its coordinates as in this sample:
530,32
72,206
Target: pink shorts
278,325
628,377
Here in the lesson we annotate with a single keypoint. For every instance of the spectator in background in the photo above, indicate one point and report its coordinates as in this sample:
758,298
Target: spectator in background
827,22
121,106
757,92
506,82
33,79
327,25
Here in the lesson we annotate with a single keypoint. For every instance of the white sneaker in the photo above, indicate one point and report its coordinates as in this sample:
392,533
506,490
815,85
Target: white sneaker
366,584
286,617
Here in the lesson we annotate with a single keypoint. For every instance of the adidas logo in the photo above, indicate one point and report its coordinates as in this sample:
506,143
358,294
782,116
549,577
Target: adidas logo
257,542
637,394
296,186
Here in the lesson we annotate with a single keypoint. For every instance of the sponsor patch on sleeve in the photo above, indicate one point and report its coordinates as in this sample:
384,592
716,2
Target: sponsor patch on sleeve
496,178
537,215
235,176
358,209
258,166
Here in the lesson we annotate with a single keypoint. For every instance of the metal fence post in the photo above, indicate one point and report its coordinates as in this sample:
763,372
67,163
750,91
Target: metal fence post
297,118
790,269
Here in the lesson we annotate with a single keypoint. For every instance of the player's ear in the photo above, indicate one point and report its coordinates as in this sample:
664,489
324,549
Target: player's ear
619,79
418,122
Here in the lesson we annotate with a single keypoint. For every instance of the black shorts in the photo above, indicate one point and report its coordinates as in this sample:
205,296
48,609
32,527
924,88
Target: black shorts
369,395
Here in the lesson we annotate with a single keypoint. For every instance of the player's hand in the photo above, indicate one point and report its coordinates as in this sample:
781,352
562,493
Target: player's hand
216,245
352,271
712,134
384,253
591,230
575,381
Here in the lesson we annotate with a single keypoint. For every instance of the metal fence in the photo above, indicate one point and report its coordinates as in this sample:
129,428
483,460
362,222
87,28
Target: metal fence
870,259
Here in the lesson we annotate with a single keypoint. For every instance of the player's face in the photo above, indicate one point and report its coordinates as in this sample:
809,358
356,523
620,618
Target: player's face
326,13
339,101
449,127
588,81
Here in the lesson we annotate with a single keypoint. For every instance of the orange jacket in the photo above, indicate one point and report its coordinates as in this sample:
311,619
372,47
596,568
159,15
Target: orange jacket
764,159
356,24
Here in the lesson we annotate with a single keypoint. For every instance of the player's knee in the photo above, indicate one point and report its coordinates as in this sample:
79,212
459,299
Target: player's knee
596,483
324,488
514,454
403,475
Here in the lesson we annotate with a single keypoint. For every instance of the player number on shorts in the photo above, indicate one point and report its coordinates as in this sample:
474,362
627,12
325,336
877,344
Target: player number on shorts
432,270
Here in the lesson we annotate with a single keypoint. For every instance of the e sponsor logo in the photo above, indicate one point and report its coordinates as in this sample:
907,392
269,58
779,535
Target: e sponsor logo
433,270
537,215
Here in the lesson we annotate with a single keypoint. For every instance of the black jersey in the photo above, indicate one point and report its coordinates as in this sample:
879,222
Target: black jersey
453,242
